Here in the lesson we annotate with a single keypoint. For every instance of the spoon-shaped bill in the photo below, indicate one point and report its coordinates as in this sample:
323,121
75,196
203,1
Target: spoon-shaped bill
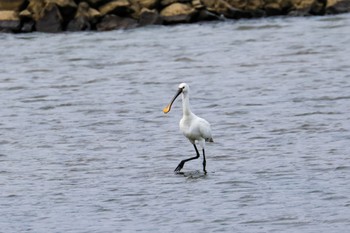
168,107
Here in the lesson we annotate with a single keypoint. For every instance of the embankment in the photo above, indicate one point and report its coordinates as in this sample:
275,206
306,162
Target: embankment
102,15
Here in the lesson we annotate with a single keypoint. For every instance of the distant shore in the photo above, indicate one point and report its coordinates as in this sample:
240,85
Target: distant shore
21,16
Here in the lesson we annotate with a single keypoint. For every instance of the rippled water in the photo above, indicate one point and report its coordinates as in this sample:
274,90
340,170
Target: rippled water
85,146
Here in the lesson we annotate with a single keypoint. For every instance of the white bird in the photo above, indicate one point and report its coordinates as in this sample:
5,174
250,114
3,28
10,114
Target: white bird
196,129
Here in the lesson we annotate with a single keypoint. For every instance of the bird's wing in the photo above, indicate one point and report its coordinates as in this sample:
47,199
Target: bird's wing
205,130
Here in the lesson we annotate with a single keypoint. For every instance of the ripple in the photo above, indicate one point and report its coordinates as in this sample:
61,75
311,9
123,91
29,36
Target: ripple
318,113
89,144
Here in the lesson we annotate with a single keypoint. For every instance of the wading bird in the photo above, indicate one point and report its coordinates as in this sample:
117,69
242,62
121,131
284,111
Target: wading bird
196,129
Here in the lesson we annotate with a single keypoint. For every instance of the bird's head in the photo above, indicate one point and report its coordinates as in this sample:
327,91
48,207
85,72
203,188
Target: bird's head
183,88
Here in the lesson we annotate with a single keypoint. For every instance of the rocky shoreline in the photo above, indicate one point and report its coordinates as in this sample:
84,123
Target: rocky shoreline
103,15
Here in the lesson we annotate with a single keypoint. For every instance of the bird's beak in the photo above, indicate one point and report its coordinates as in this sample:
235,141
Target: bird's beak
168,107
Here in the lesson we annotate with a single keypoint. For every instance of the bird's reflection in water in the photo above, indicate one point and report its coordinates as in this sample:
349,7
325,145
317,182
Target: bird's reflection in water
196,174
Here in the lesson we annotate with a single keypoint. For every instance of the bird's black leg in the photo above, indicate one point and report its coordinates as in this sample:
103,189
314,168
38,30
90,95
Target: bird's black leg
182,163
204,163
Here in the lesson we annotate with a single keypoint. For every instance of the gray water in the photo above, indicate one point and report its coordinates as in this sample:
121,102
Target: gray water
85,147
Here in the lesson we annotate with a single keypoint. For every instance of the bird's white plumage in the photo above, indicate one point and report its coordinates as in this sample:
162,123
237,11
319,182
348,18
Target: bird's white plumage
196,129
192,126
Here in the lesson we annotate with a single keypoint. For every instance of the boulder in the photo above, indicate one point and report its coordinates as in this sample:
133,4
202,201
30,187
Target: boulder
35,9
8,15
135,9
238,4
67,8
114,22
51,21
255,8
177,9
273,8
119,7
306,7
96,3
150,4
178,13
62,3
28,24
9,21
84,18
25,14
79,24
205,15
276,7
197,4
222,7
337,6
254,5
149,17
167,2
84,10
12,5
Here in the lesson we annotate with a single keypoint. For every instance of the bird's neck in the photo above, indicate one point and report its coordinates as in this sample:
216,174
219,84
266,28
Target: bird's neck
186,108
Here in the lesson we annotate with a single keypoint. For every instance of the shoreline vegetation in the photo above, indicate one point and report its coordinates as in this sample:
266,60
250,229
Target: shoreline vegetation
20,16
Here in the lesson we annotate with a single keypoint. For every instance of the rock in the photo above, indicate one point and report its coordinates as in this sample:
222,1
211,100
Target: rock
150,4
36,9
114,22
9,21
277,7
79,24
67,9
237,9
337,6
222,7
84,18
205,15
119,7
177,9
273,8
77,15
25,14
197,4
238,4
167,2
96,3
318,8
178,13
8,15
135,9
51,21
28,26
149,17
254,5
63,3
84,10
301,7
217,6
12,5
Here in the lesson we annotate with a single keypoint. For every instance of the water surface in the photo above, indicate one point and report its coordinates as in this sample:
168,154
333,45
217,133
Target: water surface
85,147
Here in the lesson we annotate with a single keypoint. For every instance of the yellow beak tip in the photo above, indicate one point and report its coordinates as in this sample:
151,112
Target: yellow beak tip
166,109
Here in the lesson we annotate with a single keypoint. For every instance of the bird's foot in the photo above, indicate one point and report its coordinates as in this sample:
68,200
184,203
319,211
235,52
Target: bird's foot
205,171
179,167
